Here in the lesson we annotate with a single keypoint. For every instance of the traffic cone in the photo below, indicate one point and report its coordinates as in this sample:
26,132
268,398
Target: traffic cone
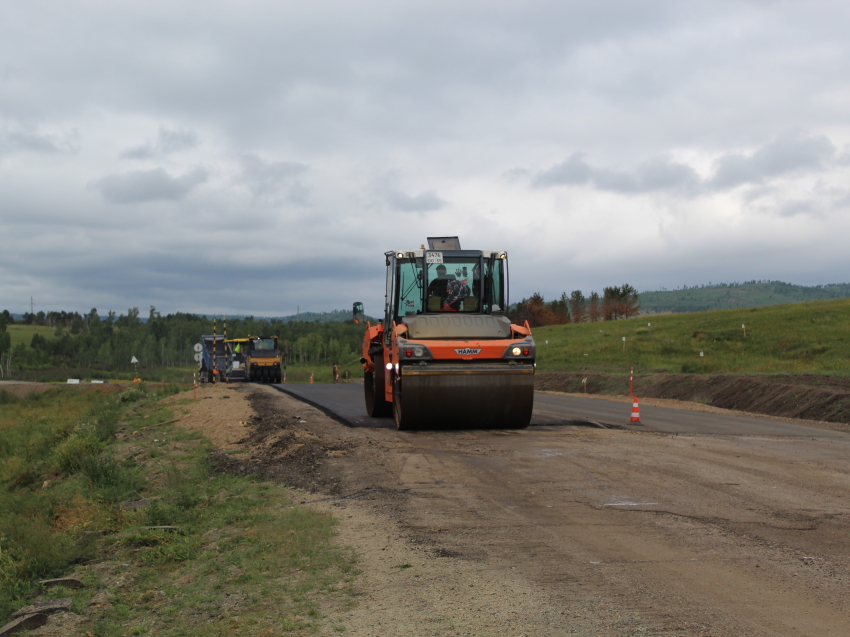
284,377
635,412
311,378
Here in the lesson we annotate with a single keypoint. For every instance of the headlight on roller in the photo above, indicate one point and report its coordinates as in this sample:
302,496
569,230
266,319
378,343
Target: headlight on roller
516,351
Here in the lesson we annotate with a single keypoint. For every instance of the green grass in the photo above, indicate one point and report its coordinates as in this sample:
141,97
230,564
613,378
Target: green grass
799,338
242,559
179,375
24,333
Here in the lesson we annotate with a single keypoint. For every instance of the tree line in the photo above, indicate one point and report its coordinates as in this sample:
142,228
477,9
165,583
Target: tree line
108,343
616,302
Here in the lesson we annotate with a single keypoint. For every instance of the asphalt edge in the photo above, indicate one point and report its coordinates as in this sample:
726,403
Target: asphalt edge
330,414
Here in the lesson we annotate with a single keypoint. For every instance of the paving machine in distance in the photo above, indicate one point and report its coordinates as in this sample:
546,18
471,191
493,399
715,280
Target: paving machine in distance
261,358
446,354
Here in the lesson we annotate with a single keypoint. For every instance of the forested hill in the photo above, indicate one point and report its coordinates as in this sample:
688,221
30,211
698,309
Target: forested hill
334,316
725,296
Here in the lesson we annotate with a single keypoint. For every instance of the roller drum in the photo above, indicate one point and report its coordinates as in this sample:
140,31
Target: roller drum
471,399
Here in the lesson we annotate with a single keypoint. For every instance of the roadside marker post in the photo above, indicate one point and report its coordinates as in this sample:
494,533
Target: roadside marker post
744,327
631,380
584,384
311,378
194,387
624,343
635,412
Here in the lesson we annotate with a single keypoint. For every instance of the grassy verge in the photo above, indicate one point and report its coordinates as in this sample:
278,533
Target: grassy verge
84,497
175,375
801,338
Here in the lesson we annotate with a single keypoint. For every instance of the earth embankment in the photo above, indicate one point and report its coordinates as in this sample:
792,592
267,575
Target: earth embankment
805,396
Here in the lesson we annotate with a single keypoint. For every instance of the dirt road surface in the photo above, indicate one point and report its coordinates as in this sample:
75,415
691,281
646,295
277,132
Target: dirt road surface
568,530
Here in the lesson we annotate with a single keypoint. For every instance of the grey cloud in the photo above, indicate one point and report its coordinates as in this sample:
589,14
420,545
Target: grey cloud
28,141
167,141
660,174
266,178
653,175
573,171
779,157
170,281
147,185
514,175
423,202
785,155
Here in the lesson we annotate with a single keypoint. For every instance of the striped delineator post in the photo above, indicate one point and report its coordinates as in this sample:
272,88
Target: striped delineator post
224,344
311,378
635,412
215,356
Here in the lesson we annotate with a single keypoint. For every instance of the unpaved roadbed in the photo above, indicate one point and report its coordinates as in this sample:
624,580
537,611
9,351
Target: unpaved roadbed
570,530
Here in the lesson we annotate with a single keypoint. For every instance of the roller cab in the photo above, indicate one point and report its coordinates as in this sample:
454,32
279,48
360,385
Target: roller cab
446,355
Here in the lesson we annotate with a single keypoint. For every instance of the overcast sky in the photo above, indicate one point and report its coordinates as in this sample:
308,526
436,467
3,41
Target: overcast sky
252,158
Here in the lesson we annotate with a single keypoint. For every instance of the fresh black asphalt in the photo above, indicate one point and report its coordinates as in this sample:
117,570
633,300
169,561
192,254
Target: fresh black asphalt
344,402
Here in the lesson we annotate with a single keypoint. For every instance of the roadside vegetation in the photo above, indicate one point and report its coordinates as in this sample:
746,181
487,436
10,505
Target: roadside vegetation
101,486
616,302
55,346
805,337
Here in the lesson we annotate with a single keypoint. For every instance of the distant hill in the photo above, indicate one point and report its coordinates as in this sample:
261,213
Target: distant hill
334,316
727,296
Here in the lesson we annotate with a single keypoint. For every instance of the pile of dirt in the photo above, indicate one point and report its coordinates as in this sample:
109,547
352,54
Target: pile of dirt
805,396
281,448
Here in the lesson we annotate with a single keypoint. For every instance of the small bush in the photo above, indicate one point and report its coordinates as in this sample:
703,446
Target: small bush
12,467
134,394
161,513
177,550
30,540
113,481
105,419
145,539
70,454
7,398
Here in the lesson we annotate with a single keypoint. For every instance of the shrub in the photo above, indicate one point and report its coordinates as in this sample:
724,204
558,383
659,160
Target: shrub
113,481
70,454
134,394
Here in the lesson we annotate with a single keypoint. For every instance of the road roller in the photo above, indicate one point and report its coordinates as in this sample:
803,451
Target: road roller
446,355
